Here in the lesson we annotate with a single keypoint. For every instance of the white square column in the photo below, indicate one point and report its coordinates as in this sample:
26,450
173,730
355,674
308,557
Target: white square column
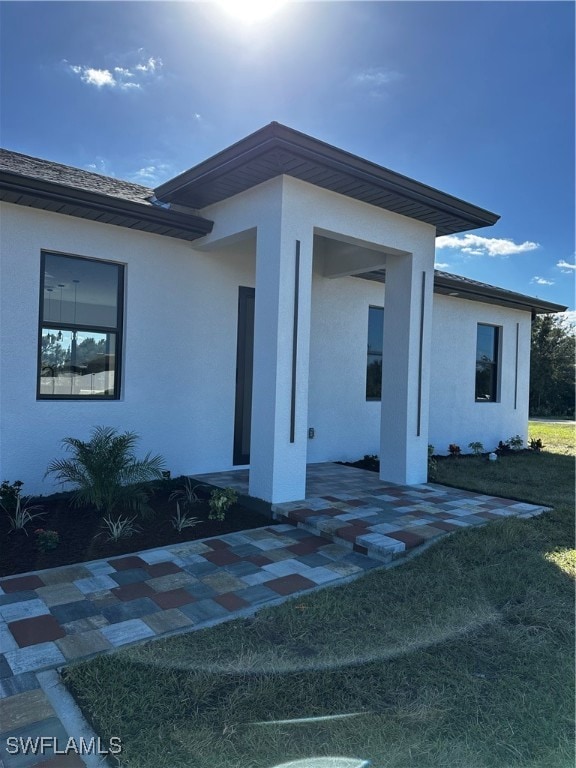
279,428
406,367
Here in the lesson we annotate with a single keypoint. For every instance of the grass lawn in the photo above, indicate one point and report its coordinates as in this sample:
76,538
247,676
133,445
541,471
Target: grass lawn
461,658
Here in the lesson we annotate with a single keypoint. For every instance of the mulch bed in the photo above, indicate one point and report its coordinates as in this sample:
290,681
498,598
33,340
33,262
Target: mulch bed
81,537
372,463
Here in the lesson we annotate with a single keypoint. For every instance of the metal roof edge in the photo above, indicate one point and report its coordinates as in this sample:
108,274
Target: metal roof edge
51,191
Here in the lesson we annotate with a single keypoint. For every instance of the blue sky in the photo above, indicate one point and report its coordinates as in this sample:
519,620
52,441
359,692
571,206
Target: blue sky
474,98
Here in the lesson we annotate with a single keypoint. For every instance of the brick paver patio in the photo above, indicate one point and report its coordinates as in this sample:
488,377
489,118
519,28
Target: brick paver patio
350,523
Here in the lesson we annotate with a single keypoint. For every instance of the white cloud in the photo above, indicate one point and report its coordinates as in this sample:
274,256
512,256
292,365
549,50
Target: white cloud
149,66
376,77
474,245
541,281
569,317
441,265
566,267
121,78
152,173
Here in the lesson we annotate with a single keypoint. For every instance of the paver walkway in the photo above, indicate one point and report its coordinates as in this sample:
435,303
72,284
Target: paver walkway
351,523
356,509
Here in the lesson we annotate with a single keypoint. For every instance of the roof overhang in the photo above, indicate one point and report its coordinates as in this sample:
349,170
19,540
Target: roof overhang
59,198
277,149
473,290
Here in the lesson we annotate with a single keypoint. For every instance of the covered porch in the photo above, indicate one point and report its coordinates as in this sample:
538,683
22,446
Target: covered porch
355,508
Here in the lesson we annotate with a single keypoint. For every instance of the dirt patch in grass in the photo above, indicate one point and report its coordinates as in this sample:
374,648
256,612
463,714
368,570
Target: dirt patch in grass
82,538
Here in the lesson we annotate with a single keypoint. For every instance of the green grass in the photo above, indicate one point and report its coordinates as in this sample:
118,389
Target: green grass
557,438
460,658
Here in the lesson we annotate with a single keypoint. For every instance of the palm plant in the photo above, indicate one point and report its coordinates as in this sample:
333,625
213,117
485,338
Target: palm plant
105,472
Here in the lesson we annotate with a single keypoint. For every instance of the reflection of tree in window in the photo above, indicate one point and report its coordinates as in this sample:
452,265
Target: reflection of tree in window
81,319
374,355
487,363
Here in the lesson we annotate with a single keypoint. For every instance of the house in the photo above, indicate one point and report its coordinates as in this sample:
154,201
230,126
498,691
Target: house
274,305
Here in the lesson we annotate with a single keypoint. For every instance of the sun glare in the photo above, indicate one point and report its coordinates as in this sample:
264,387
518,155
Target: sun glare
251,11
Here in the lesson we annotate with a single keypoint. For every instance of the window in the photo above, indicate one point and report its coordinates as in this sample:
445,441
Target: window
374,361
487,351
80,328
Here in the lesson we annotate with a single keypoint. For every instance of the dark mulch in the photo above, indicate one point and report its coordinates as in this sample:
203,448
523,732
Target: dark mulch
79,529
372,463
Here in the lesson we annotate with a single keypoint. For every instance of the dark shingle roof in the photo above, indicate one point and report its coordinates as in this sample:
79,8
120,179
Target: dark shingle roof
45,170
473,290
37,183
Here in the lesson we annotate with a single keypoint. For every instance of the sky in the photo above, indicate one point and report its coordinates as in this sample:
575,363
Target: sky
473,98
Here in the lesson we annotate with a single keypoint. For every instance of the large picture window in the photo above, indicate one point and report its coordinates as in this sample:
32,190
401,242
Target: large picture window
80,328
374,356
487,353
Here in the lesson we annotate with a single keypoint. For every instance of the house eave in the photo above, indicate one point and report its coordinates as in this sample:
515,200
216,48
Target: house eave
71,201
276,149
462,288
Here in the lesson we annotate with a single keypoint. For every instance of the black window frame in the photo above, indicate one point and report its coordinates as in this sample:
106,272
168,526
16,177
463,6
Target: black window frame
372,398
117,330
494,364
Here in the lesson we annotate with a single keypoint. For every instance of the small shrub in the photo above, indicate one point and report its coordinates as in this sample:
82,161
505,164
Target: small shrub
432,463
371,462
105,472
46,540
476,447
20,512
515,443
221,499
187,495
119,528
181,520
536,444
9,494
454,449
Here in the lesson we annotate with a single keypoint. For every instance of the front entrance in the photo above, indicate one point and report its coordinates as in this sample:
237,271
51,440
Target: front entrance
244,362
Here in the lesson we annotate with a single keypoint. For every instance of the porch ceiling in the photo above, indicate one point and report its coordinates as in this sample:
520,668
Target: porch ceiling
277,149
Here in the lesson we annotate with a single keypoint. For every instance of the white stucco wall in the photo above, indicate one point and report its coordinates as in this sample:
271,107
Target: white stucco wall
346,425
179,351
177,383
455,417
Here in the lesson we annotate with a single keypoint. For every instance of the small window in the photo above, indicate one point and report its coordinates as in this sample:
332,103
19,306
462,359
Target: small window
487,366
374,361
80,328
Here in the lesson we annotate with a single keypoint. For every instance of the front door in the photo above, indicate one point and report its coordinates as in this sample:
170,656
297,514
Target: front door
244,359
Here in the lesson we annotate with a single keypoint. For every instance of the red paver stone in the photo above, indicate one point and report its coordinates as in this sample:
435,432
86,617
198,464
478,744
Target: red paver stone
307,546
410,539
217,544
124,563
447,526
360,549
22,583
221,557
133,591
258,560
162,569
38,629
231,602
350,532
174,598
287,585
